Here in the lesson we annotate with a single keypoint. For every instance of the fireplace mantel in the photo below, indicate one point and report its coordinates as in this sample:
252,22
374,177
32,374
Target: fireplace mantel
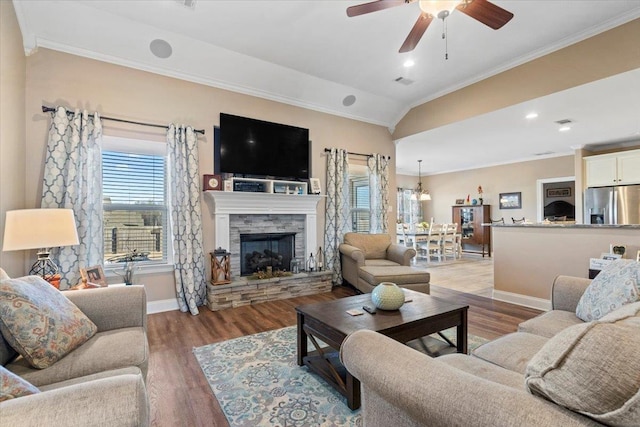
226,203
234,202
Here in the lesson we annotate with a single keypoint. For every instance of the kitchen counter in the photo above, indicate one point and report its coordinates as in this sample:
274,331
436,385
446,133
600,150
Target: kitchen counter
563,225
528,257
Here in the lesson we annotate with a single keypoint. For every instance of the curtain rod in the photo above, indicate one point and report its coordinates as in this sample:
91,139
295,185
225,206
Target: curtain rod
46,109
328,150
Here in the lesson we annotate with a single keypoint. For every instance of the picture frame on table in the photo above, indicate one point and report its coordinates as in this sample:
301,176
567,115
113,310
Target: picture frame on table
459,201
94,274
314,186
511,200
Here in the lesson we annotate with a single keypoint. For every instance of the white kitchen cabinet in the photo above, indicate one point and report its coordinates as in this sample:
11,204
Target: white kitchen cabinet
613,169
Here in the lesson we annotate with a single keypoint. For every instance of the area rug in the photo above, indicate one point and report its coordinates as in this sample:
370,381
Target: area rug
258,382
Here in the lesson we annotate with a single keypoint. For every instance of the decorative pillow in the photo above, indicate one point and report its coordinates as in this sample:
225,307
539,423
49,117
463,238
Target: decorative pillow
616,285
39,322
4,275
592,368
12,386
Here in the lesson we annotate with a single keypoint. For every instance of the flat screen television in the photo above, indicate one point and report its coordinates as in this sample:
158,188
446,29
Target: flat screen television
255,148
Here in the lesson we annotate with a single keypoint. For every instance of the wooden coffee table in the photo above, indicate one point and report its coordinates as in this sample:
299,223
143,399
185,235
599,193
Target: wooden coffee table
330,323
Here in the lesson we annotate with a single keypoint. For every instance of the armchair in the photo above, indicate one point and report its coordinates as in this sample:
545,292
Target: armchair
368,259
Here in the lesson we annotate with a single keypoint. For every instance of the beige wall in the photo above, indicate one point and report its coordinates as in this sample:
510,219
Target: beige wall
527,259
606,54
517,177
12,124
57,78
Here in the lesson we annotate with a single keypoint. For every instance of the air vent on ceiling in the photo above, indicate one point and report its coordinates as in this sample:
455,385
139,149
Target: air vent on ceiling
544,153
564,121
191,4
404,81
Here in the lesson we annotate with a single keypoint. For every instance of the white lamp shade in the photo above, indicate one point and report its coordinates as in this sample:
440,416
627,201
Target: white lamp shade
39,228
425,196
433,7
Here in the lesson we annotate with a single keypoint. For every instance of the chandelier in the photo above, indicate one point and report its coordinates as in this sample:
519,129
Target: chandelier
419,193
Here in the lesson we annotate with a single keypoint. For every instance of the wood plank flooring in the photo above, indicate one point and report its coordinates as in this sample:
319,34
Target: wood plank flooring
179,393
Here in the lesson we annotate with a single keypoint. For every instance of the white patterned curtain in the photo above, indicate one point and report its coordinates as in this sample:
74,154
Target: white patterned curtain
186,219
378,193
73,180
336,222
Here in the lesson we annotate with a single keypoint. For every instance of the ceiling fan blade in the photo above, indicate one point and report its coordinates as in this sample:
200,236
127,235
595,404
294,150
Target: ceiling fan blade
416,32
488,13
373,6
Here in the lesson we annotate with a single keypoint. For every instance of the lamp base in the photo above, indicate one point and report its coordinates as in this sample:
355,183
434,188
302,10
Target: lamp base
46,268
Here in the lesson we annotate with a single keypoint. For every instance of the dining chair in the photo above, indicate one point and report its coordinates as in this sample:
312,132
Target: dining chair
497,221
518,221
431,245
449,241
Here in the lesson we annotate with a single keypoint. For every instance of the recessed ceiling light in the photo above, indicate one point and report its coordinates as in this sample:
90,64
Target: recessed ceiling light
531,116
161,48
409,63
564,128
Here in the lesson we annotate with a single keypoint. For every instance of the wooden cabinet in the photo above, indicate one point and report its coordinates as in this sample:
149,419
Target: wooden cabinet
474,236
613,169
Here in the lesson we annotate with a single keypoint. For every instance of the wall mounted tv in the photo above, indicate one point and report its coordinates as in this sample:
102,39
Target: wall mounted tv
255,148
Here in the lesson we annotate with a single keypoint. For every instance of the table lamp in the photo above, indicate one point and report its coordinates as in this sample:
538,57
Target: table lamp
40,229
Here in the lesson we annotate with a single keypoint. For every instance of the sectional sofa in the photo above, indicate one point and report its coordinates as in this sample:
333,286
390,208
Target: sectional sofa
556,370
100,382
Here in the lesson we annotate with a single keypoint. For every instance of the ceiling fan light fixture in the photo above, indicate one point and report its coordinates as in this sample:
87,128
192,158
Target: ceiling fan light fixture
434,7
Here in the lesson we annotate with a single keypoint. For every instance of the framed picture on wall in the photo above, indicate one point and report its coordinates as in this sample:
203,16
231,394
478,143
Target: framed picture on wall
511,200
559,192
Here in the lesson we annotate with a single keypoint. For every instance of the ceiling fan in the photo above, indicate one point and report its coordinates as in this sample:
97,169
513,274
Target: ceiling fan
481,10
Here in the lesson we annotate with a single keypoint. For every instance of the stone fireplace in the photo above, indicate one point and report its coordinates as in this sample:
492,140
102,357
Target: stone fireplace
237,213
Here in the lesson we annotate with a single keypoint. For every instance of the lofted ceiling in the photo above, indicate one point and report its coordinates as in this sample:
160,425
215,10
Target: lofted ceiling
310,54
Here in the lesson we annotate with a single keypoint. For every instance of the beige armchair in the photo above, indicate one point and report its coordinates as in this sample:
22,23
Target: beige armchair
368,259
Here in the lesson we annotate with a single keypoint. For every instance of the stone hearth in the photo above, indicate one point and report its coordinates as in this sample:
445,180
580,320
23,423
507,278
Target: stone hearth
235,213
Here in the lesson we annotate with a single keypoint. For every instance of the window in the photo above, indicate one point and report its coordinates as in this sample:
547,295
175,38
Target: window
359,198
409,211
135,201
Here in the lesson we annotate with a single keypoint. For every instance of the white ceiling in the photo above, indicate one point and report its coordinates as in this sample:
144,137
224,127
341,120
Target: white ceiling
310,54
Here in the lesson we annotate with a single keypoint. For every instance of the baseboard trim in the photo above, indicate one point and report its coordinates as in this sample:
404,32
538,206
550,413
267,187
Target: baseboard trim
162,305
524,300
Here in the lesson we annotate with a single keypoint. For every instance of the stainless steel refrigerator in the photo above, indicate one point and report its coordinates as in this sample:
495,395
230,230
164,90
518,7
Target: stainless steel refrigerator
612,205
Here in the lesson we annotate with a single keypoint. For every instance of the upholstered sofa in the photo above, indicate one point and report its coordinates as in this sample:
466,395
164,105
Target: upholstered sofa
368,259
528,378
100,382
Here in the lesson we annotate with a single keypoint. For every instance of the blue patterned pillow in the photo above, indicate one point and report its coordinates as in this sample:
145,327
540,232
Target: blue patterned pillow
39,322
616,285
12,386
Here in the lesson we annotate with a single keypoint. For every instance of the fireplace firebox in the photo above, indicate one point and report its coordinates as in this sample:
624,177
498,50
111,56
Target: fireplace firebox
261,250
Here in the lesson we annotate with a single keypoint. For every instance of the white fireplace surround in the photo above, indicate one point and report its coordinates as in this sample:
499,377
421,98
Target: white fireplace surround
226,203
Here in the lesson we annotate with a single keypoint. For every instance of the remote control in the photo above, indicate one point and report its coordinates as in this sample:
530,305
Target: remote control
369,309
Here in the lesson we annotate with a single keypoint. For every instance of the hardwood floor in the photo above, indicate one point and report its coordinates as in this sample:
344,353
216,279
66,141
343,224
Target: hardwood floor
179,393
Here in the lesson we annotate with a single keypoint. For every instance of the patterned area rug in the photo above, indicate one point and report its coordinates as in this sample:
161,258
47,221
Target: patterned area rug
258,382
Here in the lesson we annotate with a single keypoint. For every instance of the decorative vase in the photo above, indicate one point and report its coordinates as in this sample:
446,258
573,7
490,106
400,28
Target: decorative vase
127,276
387,296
